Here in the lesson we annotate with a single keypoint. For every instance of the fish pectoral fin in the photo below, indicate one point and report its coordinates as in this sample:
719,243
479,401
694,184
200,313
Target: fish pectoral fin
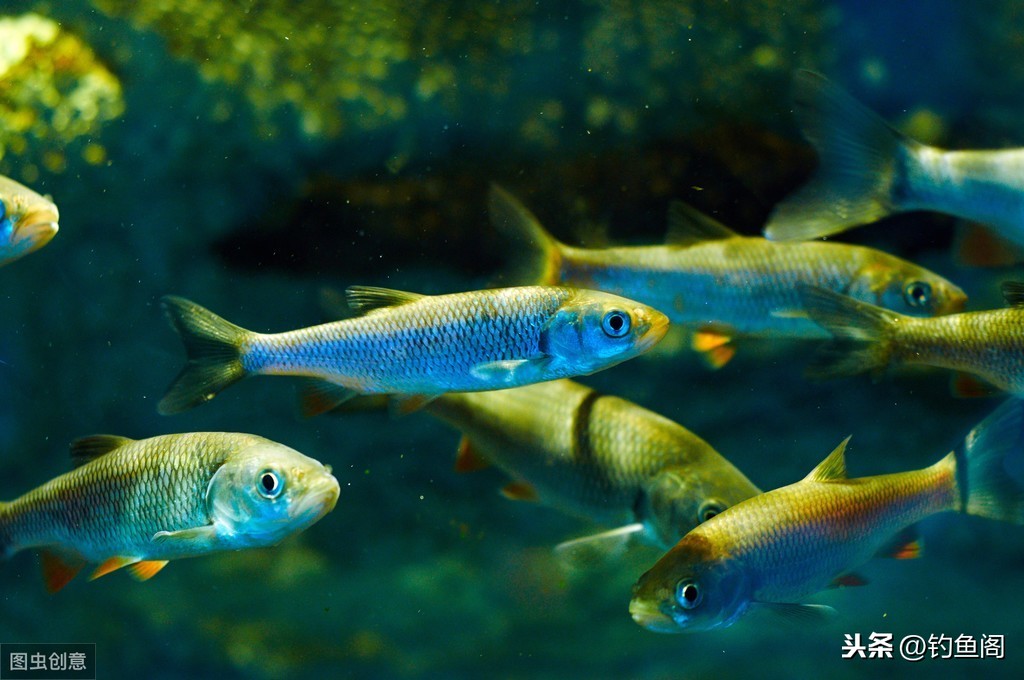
978,246
404,404
906,545
850,580
320,396
147,569
112,564
207,534
59,569
799,614
468,459
86,449
512,371
520,491
596,549
715,346
363,299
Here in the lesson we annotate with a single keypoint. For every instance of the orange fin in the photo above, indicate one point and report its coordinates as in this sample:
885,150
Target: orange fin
143,571
113,564
520,491
715,347
967,386
468,459
849,581
906,545
58,570
404,404
979,247
320,396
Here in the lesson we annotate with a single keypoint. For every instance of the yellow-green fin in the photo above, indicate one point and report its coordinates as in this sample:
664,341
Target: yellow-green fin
468,459
143,571
833,467
85,449
363,299
687,226
520,491
58,570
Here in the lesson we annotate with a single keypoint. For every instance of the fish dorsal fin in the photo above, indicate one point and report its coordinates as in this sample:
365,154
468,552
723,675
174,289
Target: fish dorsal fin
833,467
1013,293
687,225
85,449
363,299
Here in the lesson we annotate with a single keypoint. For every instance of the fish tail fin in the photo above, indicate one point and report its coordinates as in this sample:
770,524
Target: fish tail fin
990,466
212,346
862,162
537,255
862,334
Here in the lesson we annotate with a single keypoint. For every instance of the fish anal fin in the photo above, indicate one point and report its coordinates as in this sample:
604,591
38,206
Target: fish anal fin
520,491
363,299
404,404
687,226
850,580
143,571
967,386
468,459
58,570
112,564
715,346
906,545
320,396
833,467
86,449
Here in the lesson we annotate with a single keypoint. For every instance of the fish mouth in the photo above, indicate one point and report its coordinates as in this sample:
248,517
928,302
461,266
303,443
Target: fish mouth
35,229
659,324
651,617
955,304
318,501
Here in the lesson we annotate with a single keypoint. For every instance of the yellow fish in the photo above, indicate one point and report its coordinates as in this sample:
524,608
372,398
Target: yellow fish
780,547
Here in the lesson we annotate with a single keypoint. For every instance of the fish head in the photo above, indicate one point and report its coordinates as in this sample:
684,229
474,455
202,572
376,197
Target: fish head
266,492
593,330
693,587
27,220
906,288
678,498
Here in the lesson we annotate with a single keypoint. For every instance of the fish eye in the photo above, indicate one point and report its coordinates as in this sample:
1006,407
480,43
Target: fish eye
708,510
615,324
917,294
688,595
269,484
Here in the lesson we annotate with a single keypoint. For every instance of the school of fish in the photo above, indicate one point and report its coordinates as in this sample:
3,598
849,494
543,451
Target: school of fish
496,364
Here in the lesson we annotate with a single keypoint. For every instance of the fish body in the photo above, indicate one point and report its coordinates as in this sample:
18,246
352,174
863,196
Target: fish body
776,549
27,220
420,345
597,456
712,277
868,170
144,502
988,344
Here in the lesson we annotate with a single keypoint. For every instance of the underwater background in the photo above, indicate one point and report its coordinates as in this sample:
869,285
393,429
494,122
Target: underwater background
253,155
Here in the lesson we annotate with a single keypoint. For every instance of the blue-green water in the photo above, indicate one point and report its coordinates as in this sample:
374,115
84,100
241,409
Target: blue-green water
227,190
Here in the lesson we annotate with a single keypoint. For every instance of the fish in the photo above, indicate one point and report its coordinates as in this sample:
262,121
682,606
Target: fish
142,503
27,220
867,170
594,456
719,283
776,549
418,346
987,344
